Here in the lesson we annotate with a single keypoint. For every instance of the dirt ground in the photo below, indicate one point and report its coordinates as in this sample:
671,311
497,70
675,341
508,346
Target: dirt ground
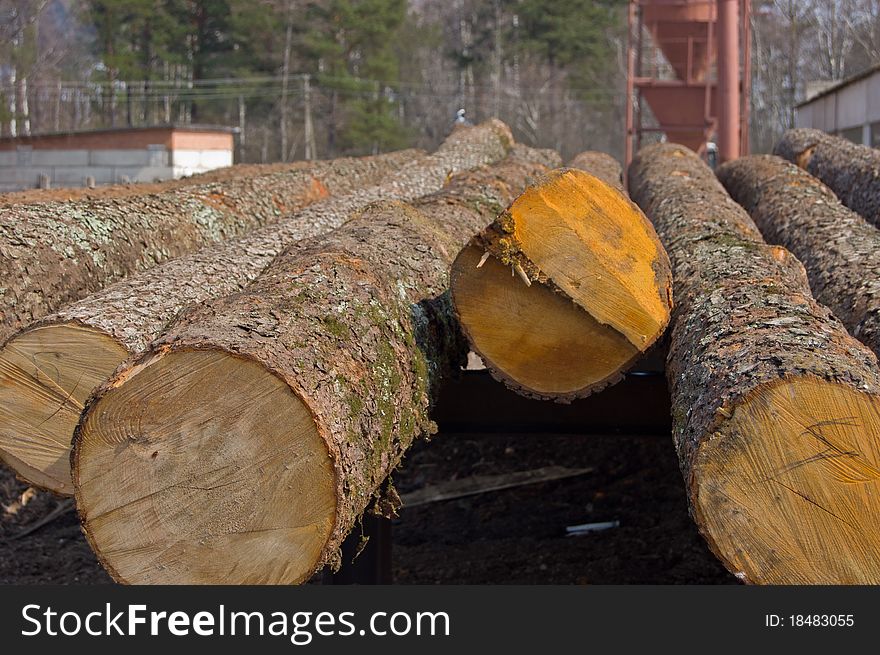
56,553
518,535
510,536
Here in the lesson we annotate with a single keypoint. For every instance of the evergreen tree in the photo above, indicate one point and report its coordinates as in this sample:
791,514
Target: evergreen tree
573,35
350,46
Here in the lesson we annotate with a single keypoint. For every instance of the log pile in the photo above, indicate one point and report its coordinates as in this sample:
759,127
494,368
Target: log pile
840,250
567,287
68,250
42,395
278,411
237,408
776,409
849,169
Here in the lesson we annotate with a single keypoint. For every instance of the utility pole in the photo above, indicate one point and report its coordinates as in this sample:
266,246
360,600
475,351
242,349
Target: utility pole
241,128
285,76
308,130
728,80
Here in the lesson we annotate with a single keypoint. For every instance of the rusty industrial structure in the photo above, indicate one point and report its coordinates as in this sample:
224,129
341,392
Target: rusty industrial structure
689,74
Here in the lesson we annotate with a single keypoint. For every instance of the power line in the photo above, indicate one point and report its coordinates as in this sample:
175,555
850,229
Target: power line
275,81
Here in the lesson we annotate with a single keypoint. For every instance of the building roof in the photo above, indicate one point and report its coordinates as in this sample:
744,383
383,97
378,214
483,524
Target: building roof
141,128
834,88
171,135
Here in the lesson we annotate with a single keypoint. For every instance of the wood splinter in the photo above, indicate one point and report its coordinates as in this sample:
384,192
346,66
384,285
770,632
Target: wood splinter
522,274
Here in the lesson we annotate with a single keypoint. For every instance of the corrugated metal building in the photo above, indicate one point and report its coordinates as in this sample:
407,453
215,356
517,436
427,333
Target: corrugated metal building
850,109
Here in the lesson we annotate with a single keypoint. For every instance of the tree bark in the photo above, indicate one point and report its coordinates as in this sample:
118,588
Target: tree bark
91,337
840,250
775,406
344,337
54,253
848,169
566,288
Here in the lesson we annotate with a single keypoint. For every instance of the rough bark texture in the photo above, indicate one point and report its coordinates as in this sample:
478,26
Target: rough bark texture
601,165
57,252
744,317
726,279
358,324
849,169
840,250
135,311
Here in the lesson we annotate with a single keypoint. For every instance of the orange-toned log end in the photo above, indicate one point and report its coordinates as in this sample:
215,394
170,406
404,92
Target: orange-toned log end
787,488
565,290
46,375
203,467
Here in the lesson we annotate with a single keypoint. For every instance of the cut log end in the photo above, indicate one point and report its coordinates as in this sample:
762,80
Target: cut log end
46,375
786,491
597,247
600,292
538,341
167,486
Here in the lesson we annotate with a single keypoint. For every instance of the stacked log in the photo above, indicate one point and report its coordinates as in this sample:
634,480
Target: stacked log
48,370
68,194
849,169
839,248
56,252
567,287
776,409
600,165
278,411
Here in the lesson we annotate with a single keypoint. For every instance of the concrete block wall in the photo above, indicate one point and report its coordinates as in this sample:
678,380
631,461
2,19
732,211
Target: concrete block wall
76,175
22,168
63,158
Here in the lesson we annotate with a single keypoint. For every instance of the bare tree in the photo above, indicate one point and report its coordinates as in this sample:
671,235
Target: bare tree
18,46
864,24
834,32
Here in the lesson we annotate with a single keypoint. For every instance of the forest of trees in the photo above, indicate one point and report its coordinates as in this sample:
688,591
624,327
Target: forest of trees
307,78
321,78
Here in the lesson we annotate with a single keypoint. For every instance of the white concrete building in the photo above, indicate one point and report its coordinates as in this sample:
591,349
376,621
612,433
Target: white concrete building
850,108
113,156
